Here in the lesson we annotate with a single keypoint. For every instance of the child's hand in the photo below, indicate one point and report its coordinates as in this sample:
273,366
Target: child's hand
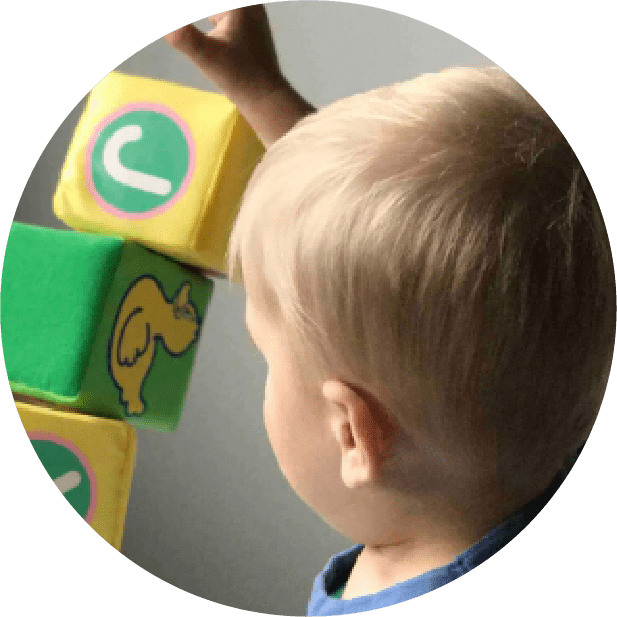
239,58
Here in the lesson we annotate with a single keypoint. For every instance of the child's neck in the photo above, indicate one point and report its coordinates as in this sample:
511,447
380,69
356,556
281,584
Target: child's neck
382,566
419,545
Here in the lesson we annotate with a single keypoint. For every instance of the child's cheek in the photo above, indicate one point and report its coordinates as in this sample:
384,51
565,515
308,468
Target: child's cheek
271,421
266,405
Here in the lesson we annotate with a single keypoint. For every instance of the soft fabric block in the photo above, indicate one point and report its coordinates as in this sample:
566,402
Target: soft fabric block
100,324
161,164
90,460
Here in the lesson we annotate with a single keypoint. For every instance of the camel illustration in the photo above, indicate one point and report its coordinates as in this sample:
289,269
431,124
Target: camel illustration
146,316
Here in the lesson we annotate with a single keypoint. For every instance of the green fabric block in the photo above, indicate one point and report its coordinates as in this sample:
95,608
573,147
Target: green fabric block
54,285
110,328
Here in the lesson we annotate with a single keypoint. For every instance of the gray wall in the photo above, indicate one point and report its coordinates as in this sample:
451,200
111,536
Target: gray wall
209,510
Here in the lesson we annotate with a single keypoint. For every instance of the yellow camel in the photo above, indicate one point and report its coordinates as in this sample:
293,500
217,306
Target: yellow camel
146,316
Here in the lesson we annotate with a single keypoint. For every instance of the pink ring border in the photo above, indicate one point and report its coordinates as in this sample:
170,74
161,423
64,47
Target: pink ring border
140,106
43,436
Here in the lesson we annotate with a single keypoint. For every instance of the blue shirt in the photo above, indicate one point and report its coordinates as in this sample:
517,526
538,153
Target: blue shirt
337,570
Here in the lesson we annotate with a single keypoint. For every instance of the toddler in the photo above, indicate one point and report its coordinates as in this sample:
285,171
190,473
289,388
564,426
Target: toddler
429,279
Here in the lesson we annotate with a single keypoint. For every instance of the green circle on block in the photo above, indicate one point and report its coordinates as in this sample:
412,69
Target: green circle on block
139,161
68,472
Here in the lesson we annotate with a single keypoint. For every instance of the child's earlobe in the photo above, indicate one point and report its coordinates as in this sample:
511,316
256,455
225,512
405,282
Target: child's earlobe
356,469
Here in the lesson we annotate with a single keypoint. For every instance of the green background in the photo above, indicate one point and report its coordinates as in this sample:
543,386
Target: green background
54,54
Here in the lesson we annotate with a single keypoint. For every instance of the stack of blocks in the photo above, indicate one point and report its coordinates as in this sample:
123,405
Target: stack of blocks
100,325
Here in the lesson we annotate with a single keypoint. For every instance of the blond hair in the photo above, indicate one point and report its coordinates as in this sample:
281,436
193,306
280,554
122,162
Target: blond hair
441,231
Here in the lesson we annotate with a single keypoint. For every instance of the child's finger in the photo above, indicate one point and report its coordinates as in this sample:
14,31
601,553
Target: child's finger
217,17
196,45
177,38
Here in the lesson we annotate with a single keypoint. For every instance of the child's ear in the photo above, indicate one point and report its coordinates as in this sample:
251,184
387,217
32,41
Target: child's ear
363,430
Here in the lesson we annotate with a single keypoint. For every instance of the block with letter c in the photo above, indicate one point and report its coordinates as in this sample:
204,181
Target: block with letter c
160,164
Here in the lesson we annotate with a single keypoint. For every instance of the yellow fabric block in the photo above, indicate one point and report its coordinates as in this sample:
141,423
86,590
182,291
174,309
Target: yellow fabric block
160,164
90,459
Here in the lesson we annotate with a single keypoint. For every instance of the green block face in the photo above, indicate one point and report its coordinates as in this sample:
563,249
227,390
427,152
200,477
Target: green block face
106,327
54,285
